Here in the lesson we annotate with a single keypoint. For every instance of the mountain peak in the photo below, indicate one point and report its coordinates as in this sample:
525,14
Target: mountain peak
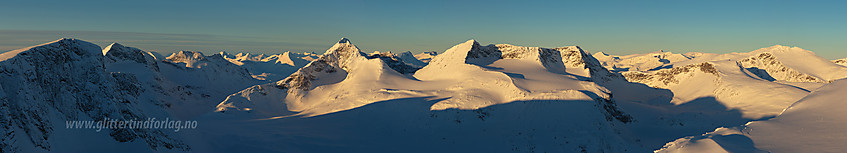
344,40
472,42
57,45
186,56
113,45
343,50
570,48
780,49
117,52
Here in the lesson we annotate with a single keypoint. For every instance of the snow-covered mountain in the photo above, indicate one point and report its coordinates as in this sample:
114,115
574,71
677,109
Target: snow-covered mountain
72,80
470,98
273,67
409,58
45,85
426,56
641,62
468,93
812,124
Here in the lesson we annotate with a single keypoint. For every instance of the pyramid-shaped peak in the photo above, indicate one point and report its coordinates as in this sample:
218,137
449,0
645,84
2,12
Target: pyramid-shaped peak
472,41
113,46
344,46
121,49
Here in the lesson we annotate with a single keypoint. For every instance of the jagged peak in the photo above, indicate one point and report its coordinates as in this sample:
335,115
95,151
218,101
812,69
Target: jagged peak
345,47
186,56
189,53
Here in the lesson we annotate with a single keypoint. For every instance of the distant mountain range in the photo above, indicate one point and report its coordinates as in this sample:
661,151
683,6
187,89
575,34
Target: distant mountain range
469,98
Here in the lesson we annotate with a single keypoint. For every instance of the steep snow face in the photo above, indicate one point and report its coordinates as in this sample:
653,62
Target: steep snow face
814,124
579,62
271,68
495,74
322,71
43,86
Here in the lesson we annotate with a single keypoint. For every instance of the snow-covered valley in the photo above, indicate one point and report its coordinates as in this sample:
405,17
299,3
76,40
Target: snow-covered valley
469,98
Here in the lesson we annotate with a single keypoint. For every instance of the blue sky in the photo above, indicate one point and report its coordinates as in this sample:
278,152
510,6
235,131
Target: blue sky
615,27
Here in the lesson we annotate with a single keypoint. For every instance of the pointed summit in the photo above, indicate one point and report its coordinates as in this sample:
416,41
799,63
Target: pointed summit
344,40
342,53
107,48
117,52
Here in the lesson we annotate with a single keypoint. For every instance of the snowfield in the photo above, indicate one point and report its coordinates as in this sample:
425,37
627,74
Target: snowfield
469,98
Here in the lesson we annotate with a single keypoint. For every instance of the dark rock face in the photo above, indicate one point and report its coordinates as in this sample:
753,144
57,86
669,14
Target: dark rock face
766,66
63,81
395,63
668,76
